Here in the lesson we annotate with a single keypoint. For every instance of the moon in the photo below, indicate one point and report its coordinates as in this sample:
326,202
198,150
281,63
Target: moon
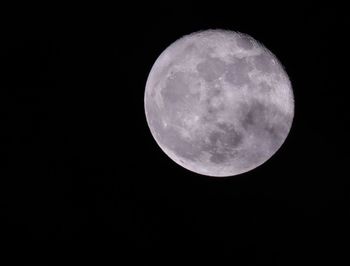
218,103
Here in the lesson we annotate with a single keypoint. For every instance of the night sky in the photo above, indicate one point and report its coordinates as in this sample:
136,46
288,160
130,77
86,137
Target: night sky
82,175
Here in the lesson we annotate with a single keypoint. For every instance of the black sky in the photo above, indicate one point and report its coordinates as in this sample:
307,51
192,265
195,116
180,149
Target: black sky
81,173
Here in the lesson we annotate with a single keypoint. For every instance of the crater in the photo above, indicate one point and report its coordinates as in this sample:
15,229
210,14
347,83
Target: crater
244,42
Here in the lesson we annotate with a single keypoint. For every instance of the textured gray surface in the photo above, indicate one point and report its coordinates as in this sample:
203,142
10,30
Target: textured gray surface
218,103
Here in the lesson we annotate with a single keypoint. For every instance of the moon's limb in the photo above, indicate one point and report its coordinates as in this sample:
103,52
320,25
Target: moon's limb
218,103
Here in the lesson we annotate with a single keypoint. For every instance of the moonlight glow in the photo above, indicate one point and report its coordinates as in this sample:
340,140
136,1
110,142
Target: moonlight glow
218,103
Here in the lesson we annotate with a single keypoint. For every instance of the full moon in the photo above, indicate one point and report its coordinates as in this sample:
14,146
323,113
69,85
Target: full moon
218,103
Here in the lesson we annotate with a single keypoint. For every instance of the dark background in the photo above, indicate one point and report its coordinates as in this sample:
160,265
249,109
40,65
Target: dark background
81,174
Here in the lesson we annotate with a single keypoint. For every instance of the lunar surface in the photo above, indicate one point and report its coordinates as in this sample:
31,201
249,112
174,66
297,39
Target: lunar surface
218,103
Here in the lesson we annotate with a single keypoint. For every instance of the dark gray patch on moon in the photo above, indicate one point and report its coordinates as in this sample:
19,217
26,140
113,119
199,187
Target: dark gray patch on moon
280,128
211,105
230,137
237,73
213,109
266,123
222,143
256,115
264,62
245,42
265,87
211,69
176,88
248,157
218,157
